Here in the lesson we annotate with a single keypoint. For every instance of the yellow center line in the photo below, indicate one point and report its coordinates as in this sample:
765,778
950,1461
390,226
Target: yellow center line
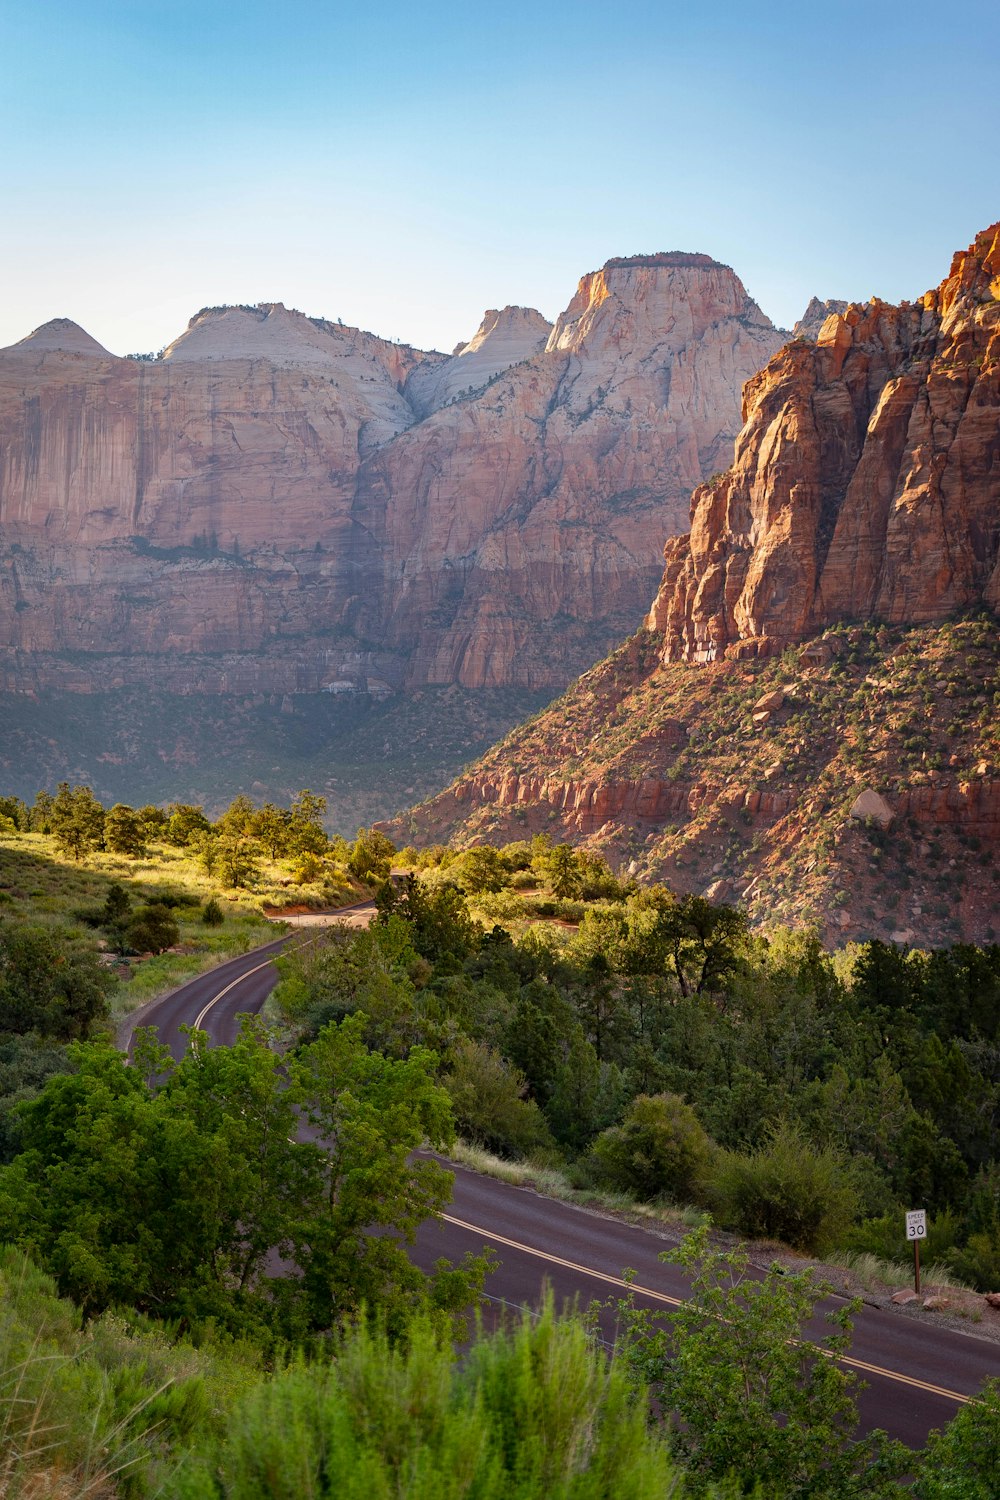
648,1291
216,998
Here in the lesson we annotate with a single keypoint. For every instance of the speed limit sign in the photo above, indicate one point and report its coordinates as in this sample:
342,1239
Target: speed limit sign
916,1224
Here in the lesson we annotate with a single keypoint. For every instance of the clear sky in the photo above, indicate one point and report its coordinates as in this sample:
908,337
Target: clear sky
404,166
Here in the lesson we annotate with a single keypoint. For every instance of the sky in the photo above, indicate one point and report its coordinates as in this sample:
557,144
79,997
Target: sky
405,166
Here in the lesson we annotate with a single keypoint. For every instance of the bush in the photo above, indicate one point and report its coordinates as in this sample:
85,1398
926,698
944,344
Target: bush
963,1461
786,1190
659,1148
212,916
487,1096
153,929
535,1412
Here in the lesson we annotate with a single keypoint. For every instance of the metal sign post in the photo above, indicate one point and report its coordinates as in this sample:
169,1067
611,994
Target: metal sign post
916,1230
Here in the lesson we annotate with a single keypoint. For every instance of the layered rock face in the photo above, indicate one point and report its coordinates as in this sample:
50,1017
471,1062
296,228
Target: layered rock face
815,648
865,483
282,504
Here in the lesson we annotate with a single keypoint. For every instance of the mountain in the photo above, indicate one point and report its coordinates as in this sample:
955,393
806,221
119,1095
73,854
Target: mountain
280,507
809,719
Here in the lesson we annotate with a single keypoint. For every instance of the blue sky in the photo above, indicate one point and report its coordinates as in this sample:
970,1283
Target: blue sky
405,166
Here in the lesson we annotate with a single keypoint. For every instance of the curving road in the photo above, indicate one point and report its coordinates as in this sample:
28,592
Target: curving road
918,1375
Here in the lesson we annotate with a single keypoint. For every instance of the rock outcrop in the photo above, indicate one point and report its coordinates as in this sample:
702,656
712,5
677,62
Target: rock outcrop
865,481
817,636
282,504
815,316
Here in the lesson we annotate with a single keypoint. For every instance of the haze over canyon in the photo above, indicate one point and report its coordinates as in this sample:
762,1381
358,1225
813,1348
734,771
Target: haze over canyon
280,518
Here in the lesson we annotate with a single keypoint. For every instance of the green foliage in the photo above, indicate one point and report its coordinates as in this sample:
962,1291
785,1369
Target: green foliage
371,855
750,1395
186,824
962,1462
212,915
536,1412
152,929
47,985
488,1099
785,1190
483,869
659,1149
77,820
174,1198
125,831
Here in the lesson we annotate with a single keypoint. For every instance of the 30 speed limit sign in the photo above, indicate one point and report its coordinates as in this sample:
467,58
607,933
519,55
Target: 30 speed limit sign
916,1224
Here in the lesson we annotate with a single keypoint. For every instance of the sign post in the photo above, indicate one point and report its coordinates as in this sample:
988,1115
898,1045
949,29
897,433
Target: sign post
916,1230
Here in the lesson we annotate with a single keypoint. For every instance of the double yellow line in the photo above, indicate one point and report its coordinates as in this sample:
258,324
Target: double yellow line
648,1291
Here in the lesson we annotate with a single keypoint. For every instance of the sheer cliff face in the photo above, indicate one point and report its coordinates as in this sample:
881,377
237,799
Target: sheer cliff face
287,503
866,480
860,517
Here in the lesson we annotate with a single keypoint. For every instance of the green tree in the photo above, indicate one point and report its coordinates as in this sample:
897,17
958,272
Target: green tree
483,869
562,871
371,855
699,943
17,812
174,1188
232,855
186,824
751,1396
124,831
372,1112
962,1462
47,985
271,827
488,1098
77,820
306,834
238,817
40,820
787,1189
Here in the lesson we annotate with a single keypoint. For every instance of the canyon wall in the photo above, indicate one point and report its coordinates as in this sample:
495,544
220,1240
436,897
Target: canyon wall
865,483
280,504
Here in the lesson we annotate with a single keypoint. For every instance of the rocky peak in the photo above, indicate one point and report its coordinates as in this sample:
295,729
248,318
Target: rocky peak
815,316
864,482
647,302
505,337
509,330
60,335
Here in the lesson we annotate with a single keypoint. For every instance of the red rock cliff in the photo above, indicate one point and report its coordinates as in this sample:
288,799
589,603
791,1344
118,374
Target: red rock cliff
866,480
282,503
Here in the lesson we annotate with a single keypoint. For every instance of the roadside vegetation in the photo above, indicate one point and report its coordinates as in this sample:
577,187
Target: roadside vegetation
202,1303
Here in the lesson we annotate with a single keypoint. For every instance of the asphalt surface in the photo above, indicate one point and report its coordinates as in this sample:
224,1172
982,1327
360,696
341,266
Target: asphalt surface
918,1376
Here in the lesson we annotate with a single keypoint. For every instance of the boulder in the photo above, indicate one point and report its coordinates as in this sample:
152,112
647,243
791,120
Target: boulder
771,701
905,1298
868,804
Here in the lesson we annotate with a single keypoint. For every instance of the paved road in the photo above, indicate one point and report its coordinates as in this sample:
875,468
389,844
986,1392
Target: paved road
918,1375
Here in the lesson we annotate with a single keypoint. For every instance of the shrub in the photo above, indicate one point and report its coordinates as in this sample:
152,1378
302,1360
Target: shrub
487,1097
659,1148
537,1411
212,916
153,929
785,1190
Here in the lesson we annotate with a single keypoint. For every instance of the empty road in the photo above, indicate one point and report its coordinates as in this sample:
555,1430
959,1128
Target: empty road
918,1375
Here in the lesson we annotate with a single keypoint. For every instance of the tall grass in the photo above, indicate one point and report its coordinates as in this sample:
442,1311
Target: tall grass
88,1413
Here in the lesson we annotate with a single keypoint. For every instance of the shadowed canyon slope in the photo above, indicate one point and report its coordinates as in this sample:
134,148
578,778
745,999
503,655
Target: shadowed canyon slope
280,504
827,628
